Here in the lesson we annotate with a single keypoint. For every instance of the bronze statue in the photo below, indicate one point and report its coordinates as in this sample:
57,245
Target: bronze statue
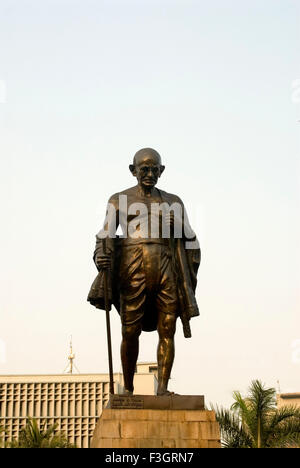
152,268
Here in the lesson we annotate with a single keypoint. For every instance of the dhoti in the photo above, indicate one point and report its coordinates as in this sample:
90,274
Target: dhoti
147,284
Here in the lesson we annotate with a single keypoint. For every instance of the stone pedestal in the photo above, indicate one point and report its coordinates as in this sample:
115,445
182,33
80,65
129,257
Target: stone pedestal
189,427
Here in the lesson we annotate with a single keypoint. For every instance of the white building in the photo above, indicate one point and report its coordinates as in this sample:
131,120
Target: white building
72,401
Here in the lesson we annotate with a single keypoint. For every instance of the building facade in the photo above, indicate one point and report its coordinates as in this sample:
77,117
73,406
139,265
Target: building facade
73,402
288,399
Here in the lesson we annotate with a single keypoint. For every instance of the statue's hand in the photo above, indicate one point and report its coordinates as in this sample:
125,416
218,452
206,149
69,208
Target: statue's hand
174,223
169,220
103,262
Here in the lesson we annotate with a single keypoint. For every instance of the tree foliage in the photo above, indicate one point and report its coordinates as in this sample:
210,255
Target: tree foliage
254,421
35,436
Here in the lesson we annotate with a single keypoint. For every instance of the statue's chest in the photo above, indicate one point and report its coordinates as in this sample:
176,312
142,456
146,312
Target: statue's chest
143,215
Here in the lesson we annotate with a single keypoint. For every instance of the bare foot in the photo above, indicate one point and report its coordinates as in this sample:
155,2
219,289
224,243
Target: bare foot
127,392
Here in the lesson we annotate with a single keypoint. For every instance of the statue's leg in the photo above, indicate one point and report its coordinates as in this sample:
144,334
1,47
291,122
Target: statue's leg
166,350
129,353
132,298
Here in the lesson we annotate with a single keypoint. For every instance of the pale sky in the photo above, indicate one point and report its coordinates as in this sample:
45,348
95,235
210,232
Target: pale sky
83,86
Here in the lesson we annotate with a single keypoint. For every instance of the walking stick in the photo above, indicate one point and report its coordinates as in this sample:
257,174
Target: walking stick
106,301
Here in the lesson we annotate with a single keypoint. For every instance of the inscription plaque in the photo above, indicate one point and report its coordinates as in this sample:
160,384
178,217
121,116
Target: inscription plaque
167,402
127,402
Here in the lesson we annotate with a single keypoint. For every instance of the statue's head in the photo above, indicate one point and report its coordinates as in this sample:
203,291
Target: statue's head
147,167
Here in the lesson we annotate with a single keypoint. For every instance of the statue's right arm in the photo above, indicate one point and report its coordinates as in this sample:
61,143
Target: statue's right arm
108,232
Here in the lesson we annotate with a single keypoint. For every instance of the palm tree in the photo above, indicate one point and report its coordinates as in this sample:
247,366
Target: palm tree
33,436
255,422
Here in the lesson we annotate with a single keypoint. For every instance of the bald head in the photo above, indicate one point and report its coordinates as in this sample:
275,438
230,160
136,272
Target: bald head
145,154
147,167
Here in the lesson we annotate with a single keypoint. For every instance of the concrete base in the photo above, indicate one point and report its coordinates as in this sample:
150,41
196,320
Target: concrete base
154,428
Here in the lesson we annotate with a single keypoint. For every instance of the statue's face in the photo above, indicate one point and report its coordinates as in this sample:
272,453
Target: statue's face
147,171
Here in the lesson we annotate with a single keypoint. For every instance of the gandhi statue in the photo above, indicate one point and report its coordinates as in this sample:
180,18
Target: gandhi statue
152,266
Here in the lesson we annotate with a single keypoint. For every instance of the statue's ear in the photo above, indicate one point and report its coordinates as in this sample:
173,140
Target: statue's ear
132,169
162,168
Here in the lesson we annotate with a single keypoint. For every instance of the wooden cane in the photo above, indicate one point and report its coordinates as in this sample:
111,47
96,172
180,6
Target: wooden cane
107,307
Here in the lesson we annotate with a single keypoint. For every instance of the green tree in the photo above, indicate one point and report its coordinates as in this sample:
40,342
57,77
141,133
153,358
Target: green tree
33,436
255,422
